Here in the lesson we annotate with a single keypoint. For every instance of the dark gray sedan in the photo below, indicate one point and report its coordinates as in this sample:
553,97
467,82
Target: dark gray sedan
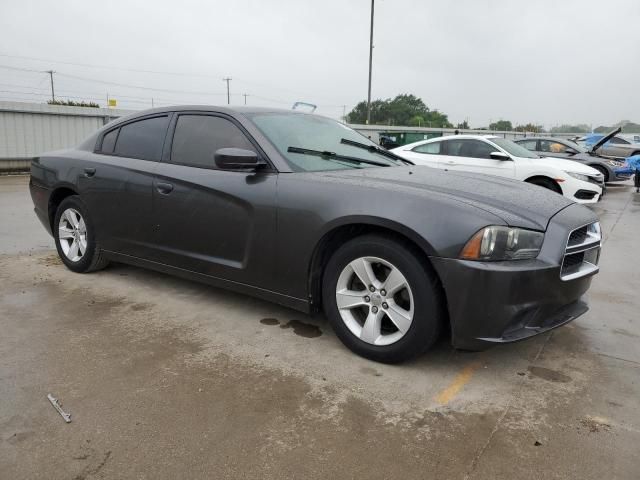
303,211
562,148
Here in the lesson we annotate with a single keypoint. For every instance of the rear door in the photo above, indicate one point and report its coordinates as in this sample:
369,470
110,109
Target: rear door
118,185
471,155
216,222
425,154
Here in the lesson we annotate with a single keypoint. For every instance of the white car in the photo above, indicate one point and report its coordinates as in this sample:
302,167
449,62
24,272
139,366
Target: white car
498,156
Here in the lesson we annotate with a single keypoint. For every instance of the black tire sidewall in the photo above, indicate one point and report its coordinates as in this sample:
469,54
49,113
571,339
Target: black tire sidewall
602,170
427,317
84,263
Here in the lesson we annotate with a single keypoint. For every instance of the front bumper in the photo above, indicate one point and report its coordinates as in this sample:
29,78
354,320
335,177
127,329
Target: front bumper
499,302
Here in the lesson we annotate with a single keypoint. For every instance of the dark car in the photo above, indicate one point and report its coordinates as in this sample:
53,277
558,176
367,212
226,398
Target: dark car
562,148
305,212
610,145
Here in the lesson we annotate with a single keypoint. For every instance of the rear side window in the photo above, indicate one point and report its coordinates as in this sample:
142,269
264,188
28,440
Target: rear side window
469,148
109,141
432,148
529,144
142,139
197,137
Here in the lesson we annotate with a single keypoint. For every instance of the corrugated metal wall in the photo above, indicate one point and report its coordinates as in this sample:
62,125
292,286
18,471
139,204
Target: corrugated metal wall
28,129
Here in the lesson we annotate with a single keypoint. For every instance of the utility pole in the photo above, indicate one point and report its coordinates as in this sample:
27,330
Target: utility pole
245,95
227,79
53,93
344,113
370,64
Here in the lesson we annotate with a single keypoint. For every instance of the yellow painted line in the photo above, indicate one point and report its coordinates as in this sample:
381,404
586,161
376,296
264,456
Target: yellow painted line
449,393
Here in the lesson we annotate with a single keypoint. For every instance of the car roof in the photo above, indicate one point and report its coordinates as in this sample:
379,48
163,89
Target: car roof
551,139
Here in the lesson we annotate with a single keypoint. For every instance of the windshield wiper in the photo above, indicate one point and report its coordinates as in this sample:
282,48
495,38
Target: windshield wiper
375,149
333,155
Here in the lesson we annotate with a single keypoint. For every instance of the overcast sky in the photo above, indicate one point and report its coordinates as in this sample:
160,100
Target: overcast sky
542,61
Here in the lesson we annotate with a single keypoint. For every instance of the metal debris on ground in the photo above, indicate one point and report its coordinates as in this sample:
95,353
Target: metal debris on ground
56,404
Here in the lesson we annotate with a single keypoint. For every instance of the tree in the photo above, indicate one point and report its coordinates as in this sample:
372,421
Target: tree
580,128
501,126
404,109
529,127
71,103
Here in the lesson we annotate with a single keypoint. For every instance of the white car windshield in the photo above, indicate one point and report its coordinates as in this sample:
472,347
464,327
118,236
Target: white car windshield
513,148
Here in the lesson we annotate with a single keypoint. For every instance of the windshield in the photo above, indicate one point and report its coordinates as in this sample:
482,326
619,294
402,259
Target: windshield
513,148
313,132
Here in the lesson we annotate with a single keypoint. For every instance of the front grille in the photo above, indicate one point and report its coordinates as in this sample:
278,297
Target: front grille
582,252
578,236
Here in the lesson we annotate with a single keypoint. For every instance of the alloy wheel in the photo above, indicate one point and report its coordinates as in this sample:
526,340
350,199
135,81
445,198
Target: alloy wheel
72,234
374,300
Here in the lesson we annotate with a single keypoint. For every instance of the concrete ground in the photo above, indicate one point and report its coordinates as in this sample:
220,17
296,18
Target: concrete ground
166,378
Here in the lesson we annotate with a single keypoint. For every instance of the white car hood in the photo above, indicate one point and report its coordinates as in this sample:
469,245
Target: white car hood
564,165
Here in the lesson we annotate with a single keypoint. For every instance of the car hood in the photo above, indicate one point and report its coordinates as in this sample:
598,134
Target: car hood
517,203
605,139
564,164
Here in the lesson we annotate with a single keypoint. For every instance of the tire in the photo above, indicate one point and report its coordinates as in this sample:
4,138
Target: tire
546,183
72,223
420,299
603,171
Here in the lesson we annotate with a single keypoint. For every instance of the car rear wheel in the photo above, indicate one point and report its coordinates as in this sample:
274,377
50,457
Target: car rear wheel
546,183
75,237
381,300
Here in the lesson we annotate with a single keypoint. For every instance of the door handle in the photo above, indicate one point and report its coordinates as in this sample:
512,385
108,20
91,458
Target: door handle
89,172
451,162
164,188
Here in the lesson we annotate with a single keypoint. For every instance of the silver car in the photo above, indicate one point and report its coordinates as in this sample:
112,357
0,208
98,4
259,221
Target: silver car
612,146
563,148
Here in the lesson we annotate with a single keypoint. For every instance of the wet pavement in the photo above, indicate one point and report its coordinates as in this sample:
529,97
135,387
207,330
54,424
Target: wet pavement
166,378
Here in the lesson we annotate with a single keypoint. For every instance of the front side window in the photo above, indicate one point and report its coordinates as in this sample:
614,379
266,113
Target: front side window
198,137
512,148
469,148
553,147
142,139
432,148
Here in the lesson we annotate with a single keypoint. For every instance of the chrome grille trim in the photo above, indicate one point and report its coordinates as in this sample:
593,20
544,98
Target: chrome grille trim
582,252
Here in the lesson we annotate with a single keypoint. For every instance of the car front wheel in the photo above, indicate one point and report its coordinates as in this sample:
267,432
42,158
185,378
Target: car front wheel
381,299
75,237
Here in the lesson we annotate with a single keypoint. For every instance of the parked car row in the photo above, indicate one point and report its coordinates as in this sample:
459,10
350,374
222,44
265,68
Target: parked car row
305,212
502,157
609,145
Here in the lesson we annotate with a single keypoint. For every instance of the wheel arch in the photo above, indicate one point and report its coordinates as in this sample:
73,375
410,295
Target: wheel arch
58,194
533,178
337,234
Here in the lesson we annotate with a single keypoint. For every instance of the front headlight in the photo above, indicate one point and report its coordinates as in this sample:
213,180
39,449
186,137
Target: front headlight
578,176
503,243
614,163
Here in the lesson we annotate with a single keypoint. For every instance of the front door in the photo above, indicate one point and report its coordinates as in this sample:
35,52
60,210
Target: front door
470,155
216,222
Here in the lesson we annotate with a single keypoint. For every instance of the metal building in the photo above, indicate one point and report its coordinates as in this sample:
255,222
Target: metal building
28,129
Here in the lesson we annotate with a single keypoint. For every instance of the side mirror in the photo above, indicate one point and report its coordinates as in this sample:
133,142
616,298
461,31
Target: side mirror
500,156
237,159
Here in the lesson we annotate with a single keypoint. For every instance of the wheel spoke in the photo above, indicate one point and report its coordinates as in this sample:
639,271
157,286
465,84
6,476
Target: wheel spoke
400,317
73,250
65,233
71,218
81,226
82,245
371,330
362,268
394,282
347,299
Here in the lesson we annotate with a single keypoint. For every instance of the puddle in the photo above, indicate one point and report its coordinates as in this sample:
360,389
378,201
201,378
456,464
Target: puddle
303,329
548,374
270,321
